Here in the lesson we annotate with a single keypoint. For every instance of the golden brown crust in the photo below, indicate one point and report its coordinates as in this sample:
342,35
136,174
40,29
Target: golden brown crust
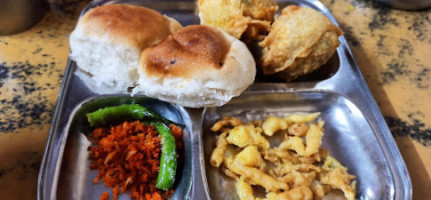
299,42
245,19
188,52
142,26
261,10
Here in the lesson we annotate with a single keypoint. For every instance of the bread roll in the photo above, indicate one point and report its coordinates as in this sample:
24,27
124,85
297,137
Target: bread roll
108,40
195,67
299,42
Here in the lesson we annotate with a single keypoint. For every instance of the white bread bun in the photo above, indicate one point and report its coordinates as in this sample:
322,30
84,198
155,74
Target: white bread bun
108,40
198,66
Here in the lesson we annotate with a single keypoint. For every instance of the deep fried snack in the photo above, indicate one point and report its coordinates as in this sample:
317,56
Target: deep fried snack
247,18
218,153
226,121
299,42
296,169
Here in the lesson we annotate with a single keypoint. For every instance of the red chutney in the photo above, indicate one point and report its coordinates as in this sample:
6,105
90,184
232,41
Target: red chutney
127,157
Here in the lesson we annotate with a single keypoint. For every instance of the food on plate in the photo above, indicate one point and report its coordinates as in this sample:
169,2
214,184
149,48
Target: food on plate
296,169
168,159
299,42
196,66
140,156
249,19
124,112
108,40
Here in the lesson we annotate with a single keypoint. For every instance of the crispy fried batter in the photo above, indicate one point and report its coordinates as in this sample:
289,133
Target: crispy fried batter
296,169
247,18
299,42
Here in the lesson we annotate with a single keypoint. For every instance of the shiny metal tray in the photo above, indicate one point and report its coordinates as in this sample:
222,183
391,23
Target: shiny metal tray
355,131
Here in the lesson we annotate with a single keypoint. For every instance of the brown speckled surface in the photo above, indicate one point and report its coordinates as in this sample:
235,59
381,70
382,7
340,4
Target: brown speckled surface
391,47
32,64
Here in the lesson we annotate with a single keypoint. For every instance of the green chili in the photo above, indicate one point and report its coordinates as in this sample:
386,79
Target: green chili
168,159
124,112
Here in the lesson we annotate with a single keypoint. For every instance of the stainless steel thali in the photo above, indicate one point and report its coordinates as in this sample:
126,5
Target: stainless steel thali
355,131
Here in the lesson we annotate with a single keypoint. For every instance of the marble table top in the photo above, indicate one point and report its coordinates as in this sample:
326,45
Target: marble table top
391,47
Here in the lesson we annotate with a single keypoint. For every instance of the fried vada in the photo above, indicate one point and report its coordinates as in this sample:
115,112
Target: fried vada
248,19
299,42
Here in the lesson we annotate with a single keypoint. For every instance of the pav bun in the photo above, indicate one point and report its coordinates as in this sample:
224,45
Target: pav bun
108,40
198,66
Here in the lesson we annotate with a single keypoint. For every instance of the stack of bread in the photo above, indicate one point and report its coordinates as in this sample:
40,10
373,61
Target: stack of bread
125,46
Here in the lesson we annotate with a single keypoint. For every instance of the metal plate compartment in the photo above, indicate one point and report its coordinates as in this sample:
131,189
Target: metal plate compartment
75,178
355,131
348,136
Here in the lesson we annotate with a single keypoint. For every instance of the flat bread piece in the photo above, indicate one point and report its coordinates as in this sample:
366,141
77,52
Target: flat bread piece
197,66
